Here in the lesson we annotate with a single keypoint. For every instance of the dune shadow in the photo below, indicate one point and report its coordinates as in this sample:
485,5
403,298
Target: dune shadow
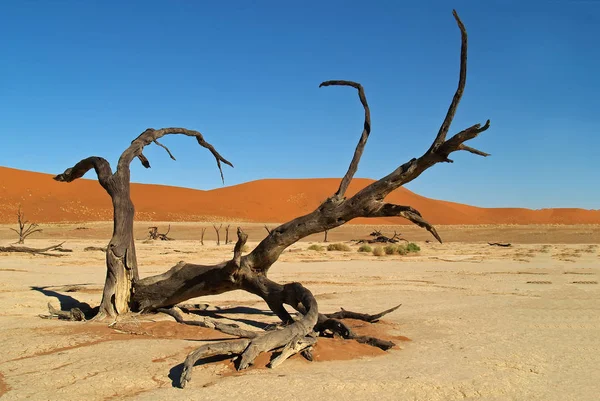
67,302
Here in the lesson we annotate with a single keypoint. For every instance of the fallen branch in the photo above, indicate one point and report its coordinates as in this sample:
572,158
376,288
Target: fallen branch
36,251
500,244
75,314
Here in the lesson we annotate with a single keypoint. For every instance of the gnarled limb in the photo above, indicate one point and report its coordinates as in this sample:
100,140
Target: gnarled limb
151,135
293,293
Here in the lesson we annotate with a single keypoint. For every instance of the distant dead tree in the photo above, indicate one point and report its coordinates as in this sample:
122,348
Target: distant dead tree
153,234
227,234
202,235
217,230
268,229
326,232
124,291
25,228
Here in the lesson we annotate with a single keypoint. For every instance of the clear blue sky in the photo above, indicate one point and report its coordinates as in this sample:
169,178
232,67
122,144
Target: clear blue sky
82,78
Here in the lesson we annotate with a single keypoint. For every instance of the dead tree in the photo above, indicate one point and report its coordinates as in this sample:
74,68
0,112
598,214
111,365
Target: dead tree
326,232
202,236
24,229
121,261
268,229
153,234
217,230
227,234
250,272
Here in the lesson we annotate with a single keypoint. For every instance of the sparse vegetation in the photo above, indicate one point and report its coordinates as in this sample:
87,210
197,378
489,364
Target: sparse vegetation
316,247
378,251
412,247
338,247
402,250
365,248
390,249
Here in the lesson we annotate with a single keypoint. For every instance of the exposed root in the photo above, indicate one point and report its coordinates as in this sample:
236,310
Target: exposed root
249,349
230,329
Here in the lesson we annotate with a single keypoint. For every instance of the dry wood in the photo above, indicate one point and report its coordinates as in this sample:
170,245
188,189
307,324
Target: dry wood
227,234
75,314
24,229
503,244
202,235
121,260
124,291
153,234
36,251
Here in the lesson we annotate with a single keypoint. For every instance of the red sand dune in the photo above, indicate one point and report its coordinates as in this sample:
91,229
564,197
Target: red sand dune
44,200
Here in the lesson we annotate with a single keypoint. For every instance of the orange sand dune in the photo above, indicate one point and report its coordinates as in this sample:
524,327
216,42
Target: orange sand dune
45,200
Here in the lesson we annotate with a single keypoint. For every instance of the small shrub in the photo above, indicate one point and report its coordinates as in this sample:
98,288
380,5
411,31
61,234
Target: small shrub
316,247
365,248
412,247
402,249
378,251
390,249
338,247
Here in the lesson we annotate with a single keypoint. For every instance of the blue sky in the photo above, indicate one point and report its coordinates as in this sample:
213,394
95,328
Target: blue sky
82,78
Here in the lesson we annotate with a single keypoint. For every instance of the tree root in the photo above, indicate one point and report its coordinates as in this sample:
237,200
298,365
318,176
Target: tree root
249,349
297,337
230,329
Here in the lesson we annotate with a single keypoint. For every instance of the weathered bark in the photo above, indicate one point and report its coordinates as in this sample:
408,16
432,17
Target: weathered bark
121,261
227,234
326,232
24,229
202,236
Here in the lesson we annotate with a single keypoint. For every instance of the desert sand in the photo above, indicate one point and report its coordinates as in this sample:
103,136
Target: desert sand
476,322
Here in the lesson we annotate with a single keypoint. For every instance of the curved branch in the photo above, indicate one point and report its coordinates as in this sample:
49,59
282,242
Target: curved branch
363,138
151,135
99,164
462,80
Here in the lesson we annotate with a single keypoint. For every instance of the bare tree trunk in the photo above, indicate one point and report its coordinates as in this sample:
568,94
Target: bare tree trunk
227,234
217,230
202,236
325,239
121,261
